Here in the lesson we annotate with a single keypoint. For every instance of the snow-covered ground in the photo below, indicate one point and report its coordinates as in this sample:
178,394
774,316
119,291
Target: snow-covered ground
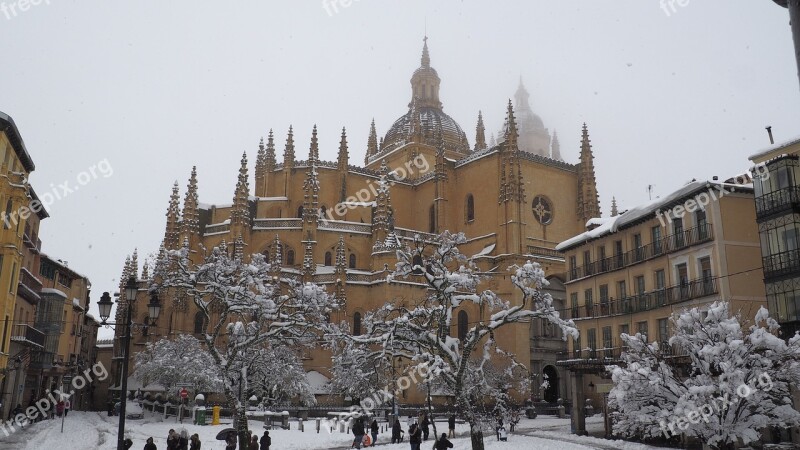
90,430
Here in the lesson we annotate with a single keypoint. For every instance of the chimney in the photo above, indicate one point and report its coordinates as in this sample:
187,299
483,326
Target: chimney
714,178
769,132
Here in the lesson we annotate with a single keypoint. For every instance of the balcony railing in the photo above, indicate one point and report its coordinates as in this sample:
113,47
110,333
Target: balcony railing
30,287
612,351
647,301
667,244
28,335
778,201
781,264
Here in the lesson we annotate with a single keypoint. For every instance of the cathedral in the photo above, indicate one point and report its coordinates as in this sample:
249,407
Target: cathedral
327,222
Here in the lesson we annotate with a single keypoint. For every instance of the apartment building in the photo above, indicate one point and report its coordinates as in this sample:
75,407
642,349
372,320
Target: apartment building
632,272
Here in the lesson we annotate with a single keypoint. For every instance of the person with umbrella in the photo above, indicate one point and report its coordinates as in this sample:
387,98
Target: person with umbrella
229,436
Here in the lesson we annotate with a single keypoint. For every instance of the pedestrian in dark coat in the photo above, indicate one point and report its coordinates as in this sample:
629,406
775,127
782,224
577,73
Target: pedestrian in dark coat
172,440
194,442
254,443
397,432
230,442
373,428
183,440
451,424
358,432
415,437
442,443
266,441
425,427
150,445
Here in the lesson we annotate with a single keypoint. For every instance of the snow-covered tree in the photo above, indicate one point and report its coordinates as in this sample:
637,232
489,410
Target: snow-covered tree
737,383
246,310
421,332
356,370
181,360
276,375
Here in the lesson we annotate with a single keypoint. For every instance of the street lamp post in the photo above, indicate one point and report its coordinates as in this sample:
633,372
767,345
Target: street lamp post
794,17
154,309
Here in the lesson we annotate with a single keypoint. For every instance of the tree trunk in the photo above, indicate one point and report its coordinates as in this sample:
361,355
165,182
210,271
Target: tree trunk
242,428
476,435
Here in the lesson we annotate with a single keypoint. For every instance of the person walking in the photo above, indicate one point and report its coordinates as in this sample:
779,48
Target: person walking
150,445
442,443
415,437
254,443
172,440
183,440
230,441
451,425
397,432
358,432
373,428
266,441
194,442
425,427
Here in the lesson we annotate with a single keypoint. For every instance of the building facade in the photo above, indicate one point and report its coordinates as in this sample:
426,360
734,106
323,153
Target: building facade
326,221
632,272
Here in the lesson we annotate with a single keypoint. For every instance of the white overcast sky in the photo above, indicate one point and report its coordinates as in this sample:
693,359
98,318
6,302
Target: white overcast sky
155,87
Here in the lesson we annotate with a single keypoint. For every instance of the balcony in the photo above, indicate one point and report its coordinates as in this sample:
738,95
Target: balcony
781,264
647,301
786,199
667,244
28,336
29,286
611,353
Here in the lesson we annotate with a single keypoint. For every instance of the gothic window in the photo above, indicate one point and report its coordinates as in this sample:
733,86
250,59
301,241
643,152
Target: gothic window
290,257
199,323
463,325
352,262
470,208
542,209
432,219
300,212
357,324
328,259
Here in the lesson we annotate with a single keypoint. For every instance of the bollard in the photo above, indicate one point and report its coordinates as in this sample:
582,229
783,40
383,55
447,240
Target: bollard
318,422
300,426
215,415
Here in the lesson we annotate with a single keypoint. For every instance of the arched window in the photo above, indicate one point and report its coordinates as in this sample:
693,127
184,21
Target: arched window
357,324
199,323
290,257
7,217
417,261
463,325
470,208
328,259
352,262
432,219
300,212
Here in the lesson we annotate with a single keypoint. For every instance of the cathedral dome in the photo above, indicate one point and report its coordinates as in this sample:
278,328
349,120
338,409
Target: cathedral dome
424,118
430,119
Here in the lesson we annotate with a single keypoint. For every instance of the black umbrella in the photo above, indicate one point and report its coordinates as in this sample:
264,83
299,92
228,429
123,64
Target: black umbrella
223,435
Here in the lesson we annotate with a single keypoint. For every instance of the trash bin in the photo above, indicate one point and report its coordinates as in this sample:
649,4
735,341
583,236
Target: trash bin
200,416
215,415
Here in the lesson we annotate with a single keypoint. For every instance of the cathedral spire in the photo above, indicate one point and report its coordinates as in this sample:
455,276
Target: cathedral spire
480,134
614,211
311,184
556,148
511,183
190,225
340,270
382,221
270,153
288,152
426,57
313,150
372,142
261,168
240,211
343,158
172,233
588,203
